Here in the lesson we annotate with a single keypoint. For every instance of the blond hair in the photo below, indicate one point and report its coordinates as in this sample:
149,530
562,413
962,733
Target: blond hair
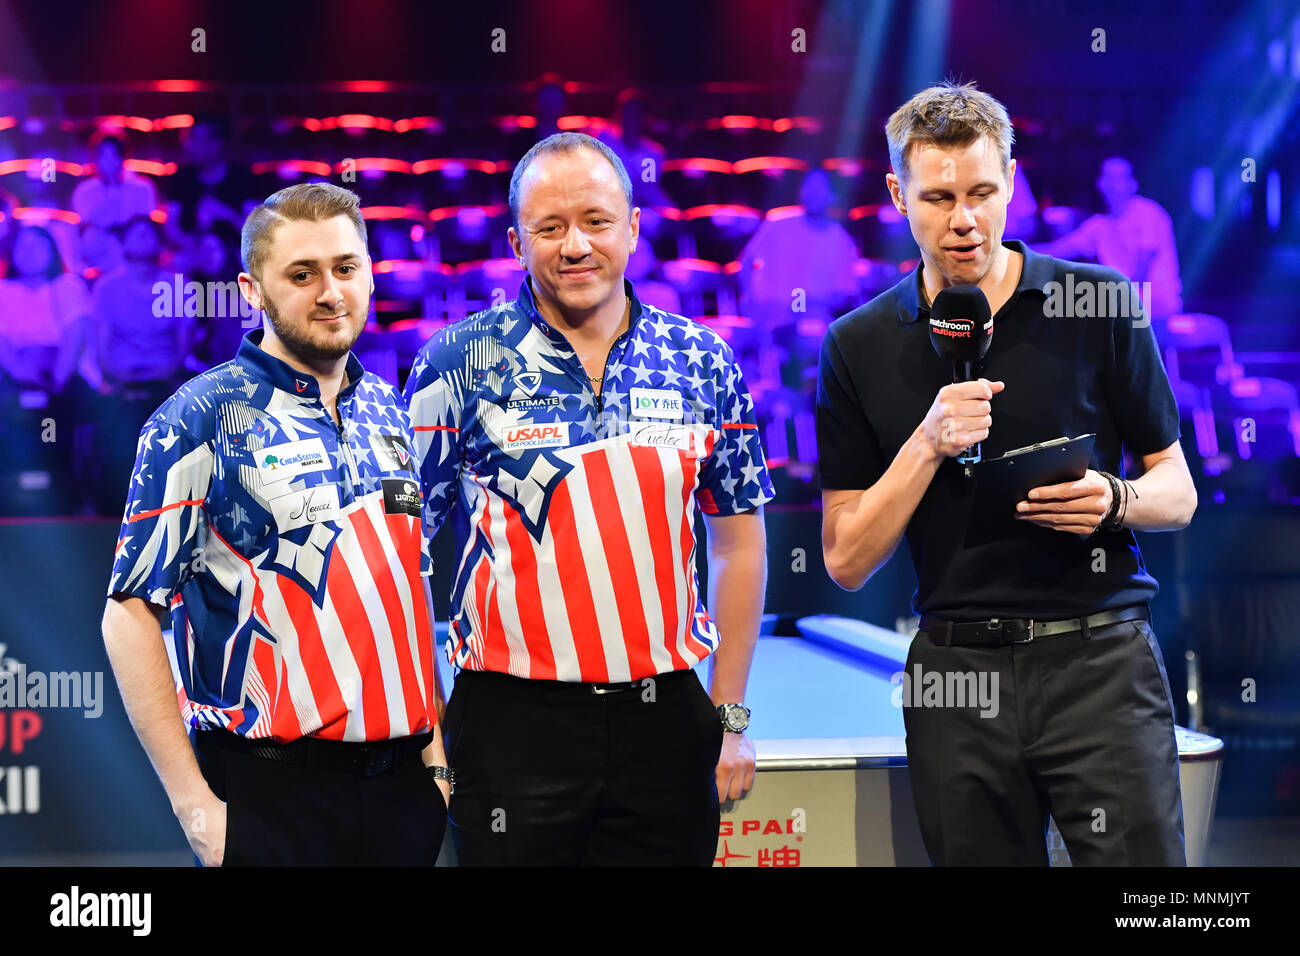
312,202
947,115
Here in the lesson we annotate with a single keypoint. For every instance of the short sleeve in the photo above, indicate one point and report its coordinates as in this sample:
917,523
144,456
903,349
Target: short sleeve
734,477
163,528
1137,389
431,402
847,448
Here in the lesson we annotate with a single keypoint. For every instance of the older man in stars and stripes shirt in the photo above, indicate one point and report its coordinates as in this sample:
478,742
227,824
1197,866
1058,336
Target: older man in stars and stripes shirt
570,434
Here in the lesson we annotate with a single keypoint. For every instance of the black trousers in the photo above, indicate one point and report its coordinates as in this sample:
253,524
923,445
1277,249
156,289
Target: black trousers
283,814
549,773
1083,730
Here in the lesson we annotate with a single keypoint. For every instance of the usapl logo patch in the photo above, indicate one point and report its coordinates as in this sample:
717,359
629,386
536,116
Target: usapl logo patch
526,435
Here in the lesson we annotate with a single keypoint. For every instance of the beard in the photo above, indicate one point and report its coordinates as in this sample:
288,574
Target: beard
303,346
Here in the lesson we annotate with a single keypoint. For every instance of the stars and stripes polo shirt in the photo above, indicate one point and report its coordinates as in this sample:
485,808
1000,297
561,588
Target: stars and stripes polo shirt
289,550
575,526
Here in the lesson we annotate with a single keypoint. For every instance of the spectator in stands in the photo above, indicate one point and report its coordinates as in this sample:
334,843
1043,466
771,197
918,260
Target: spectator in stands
208,187
642,157
1022,208
1134,235
796,275
641,264
107,200
113,194
44,308
550,105
142,343
214,259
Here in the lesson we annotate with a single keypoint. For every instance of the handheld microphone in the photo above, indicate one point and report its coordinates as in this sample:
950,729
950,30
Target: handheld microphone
961,330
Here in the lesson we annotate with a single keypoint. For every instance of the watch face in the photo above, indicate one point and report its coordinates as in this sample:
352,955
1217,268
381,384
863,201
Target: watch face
737,718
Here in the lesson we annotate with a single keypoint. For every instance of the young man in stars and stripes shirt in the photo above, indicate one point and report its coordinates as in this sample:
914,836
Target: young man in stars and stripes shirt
275,512
570,433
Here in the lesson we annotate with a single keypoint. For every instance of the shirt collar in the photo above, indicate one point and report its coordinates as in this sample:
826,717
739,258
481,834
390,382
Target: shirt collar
284,376
1036,272
529,307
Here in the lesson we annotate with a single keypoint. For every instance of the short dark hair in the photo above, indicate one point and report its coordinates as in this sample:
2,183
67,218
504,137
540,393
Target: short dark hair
113,138
565,143
138,219
219,123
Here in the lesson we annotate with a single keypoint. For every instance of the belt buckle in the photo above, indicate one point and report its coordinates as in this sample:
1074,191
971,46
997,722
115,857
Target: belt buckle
1031,634
379,761
612,688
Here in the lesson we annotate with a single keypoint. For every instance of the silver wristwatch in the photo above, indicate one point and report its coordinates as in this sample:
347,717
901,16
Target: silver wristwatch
734,717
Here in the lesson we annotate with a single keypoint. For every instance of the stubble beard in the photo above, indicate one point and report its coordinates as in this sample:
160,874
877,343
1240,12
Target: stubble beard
303,347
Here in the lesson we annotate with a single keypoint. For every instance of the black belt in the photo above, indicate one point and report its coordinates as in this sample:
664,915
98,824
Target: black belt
574,687
1000,631
367,759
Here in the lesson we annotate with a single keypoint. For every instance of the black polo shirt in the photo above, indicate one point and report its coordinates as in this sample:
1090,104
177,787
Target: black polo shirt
1064,376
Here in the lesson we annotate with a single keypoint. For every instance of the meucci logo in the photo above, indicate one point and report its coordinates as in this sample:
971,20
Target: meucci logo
946,689
301,508
314,507
75,908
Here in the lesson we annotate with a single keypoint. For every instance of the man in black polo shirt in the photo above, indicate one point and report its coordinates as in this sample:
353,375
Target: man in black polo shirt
1081,718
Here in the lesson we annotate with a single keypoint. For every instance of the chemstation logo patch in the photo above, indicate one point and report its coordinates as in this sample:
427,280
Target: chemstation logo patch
290,459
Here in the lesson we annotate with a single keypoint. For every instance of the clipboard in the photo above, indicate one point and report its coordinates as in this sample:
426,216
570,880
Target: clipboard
1002,482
